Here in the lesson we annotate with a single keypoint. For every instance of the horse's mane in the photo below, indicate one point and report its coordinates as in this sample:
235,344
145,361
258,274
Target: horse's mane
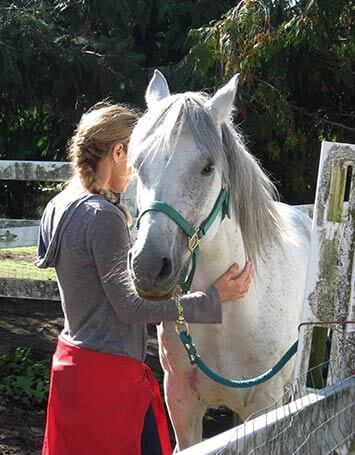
252,192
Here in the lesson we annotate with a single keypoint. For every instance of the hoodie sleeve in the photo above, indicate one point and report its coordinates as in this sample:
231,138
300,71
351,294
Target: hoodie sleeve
109,242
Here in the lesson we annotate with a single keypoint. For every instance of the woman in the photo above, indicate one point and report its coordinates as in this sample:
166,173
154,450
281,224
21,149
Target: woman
103,399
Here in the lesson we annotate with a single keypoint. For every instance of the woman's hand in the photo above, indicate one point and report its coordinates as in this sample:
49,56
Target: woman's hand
231,286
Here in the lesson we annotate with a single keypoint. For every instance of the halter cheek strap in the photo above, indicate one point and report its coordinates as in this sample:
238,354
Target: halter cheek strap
194,235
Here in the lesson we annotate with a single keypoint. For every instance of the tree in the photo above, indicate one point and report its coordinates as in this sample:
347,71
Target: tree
59,57
296,65
53,65
52,69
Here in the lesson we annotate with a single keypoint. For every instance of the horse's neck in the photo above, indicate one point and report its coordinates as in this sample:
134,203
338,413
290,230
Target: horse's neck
218,252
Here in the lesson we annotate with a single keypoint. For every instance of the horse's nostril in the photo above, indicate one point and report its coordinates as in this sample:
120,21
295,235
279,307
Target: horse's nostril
165,270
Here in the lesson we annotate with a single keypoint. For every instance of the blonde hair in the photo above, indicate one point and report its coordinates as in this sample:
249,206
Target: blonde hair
99,130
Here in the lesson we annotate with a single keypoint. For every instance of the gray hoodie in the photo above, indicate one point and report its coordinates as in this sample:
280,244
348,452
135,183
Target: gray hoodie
85,238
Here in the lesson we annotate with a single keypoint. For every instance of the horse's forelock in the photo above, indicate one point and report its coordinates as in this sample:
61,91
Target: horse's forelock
161,128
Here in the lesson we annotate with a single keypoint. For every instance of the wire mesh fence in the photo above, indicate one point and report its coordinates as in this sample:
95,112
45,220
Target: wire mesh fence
321,421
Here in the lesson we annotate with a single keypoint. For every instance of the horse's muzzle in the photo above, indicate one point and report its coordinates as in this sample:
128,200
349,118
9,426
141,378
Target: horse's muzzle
153,277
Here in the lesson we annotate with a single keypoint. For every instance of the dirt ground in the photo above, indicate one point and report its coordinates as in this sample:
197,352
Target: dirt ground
20,257
36,324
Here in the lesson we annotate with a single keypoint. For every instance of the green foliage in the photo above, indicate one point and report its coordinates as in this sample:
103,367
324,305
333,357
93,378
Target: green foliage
53,65
296,60
59,57
23,380
296,65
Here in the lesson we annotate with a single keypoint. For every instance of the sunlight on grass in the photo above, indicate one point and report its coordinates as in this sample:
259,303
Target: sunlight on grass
19,263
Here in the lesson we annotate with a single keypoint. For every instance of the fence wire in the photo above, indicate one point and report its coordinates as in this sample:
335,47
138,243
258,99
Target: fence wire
321,421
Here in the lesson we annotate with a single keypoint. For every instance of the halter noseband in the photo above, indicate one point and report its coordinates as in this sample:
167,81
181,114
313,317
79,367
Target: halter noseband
194,235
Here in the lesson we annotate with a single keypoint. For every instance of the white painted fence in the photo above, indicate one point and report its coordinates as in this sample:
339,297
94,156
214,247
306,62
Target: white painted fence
16,233
45,171
330,286
20,233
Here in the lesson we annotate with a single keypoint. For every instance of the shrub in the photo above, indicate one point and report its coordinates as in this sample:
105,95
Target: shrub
23,379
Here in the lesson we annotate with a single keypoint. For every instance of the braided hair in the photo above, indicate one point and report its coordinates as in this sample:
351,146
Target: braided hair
99,130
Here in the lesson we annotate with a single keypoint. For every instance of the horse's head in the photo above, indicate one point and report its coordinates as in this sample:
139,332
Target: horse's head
176,148
184,150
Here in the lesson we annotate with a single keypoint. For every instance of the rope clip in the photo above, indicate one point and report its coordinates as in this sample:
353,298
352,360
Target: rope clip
181,326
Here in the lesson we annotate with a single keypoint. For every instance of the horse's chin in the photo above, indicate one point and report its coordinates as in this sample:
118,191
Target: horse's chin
155,295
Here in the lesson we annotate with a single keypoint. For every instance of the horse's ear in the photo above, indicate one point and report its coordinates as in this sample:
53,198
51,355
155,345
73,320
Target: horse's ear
220,105
157,89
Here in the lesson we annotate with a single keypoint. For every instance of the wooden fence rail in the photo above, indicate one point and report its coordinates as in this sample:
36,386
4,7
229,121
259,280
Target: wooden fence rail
44,171
22,233
16,233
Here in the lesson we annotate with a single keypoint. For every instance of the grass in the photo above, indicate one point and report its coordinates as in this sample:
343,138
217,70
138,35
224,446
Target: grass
19,263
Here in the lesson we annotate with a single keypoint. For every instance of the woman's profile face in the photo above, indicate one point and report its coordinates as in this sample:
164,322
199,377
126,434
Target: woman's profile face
121,172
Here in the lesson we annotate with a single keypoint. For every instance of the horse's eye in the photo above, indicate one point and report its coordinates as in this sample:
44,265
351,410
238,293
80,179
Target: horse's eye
207,170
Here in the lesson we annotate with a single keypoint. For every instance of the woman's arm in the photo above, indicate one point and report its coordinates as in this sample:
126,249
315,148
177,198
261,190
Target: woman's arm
109,243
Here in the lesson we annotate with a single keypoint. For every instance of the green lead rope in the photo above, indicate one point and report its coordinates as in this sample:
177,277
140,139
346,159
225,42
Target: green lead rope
235,383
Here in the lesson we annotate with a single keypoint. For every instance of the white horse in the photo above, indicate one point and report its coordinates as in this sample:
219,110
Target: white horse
185,150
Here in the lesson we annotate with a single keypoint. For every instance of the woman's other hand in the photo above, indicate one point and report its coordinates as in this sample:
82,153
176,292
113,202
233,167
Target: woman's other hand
231,286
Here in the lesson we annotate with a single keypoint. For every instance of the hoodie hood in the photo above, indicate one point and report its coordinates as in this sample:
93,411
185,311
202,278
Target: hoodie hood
55,218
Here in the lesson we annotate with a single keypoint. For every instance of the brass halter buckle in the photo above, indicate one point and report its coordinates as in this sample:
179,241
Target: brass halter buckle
193,242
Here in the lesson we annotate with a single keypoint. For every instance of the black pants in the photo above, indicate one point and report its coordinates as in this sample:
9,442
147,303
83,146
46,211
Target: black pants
150,435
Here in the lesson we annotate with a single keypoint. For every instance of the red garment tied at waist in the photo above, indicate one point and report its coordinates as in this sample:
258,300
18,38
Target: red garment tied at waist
97,404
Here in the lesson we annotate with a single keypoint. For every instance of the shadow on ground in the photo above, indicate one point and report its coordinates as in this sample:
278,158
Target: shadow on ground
36,324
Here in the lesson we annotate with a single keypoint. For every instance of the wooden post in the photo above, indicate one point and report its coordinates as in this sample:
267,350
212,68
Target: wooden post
330,293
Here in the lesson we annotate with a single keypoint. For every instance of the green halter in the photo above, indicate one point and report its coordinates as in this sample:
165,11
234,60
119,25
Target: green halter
194,235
